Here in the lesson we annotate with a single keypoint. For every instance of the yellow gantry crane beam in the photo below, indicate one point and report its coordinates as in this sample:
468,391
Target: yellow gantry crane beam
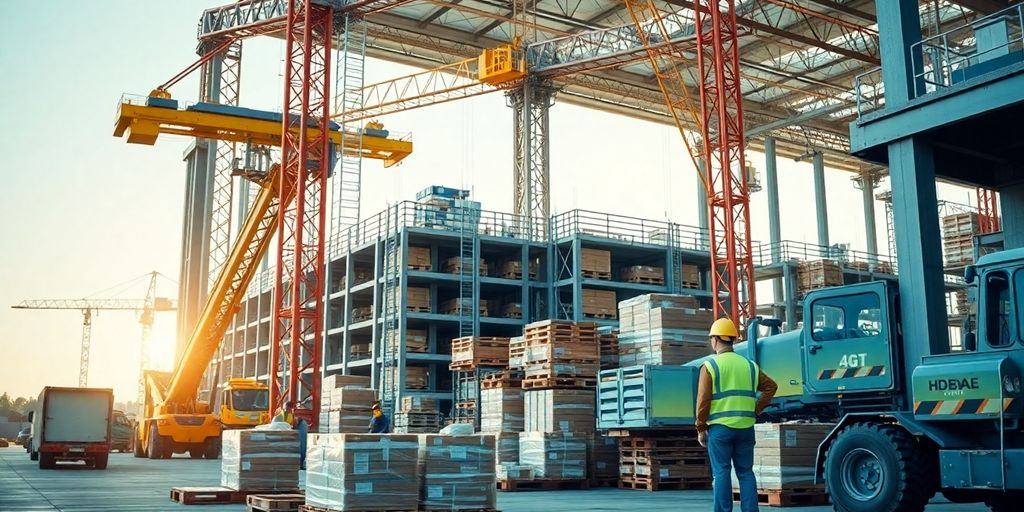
144,119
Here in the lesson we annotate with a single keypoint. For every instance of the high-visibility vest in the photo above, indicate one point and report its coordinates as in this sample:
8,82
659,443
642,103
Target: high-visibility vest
286,417
734,390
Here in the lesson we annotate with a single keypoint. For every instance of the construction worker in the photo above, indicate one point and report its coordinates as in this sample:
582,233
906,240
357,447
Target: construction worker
286,414
727,406
379,424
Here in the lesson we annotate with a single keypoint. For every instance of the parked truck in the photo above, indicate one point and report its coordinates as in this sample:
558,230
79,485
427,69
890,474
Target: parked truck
911,421
72,424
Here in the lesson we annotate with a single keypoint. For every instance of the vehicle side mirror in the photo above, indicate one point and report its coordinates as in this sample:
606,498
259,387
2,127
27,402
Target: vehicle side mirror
970,273
970,341
31,414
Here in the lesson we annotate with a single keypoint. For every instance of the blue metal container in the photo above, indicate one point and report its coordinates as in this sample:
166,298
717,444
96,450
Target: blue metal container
440,192
647,396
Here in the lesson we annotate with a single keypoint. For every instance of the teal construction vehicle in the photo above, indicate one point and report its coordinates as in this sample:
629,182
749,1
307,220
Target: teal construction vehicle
907,426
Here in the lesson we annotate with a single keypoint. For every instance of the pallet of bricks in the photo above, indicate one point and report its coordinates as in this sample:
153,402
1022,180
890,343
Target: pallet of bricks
453,265
596,263
416,377
419,258
662,329
345,402
502,415
399,472
599,303
457,305
417,415
415,341
253,462
663,460
472,352
784,462
513,269
644,274
417,299
812,275
559,361
958,238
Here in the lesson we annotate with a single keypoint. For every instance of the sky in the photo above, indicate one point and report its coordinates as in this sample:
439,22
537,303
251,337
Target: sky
85,211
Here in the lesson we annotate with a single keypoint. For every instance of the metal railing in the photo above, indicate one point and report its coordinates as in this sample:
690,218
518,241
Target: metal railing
869,91
767,253
945,59
626,229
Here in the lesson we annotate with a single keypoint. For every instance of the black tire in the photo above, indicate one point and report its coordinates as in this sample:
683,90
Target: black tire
100,462
137,448
196,453
33,455
47,460
1008,501
212,449
156,449
879,468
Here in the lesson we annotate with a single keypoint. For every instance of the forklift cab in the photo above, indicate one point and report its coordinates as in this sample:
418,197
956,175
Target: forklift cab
999,279
848,338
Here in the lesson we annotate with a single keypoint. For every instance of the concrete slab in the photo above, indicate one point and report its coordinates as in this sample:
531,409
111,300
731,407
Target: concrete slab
130,484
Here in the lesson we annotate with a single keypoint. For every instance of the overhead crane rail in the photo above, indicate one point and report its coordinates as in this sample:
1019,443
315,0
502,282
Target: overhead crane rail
143,119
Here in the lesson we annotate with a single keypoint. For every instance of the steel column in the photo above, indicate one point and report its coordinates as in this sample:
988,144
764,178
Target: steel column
195,240
820,202
771,172
1013,215
531,104
867,194
899,27
702,203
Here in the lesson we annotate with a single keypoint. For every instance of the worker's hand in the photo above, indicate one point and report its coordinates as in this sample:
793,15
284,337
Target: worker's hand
702,438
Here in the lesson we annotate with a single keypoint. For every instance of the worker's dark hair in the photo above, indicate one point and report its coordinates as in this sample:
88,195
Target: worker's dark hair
376,405
289,404
725,339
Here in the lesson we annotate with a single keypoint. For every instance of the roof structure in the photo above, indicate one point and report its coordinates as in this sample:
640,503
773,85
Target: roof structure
800,58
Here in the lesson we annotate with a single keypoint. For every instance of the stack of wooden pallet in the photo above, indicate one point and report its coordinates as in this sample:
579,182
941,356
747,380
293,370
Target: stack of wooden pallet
609,344
596,263
958,238
784,459
559,354
501,414
644,274
456,306
472,352
663,462
453,265
599,303
345,402
417,415
812,275
662,329
512,310
419,258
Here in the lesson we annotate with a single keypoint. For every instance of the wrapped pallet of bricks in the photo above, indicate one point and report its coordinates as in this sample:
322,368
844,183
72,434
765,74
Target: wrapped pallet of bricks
662,329
419,258
553,410
602,460
350,410
513,269
457,472
784,456
501,409
263,460
460,306
596,263
554,455
663,462
958,238
327,390
559,353
506,448
453,265
358,472
472,352
812,275
599,303
644,274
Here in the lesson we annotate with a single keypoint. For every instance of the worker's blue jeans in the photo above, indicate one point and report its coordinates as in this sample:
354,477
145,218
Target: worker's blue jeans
303,429
728,448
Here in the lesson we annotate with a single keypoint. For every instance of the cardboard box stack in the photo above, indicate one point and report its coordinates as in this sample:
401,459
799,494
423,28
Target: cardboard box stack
417,415
457,472
644,274
457,306
603,460
554,455
266,460
513,269
784,455
417,299
416,377
662,329
596,263
353,472
453,265
501,409
554,410
663,463
345,402
419,258
599,303
958,238
415,340
472,352
690,276
812,275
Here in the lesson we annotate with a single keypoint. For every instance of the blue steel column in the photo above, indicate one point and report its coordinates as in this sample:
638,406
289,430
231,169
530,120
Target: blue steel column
771,172
702,208
195,241
912,172
789,282
820,203
1011,206
867,184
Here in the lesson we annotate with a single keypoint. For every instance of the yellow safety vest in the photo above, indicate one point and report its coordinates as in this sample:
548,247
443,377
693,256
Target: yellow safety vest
286,417
734,390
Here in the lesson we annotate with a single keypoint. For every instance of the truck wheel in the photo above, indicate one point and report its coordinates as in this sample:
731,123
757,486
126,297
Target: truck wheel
137,448
196,453
33,455
156,449
878,468
212,449
100,462
1008,501
47,460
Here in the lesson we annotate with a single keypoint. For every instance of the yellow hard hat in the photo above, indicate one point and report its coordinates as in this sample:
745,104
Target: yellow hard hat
724,327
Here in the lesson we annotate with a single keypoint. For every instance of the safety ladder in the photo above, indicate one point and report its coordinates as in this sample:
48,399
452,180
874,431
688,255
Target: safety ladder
389,329
466,384
348,85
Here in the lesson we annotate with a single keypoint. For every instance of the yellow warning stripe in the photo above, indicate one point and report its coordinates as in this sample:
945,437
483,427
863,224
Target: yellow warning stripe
968,406
849,373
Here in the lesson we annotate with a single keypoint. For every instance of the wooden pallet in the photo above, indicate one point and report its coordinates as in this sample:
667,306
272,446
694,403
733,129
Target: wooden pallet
275,502
646,280
424,268
418,309
604,482
214,495
502,379
310,508
540,382
606,316
789,497
543,485
660,484
593,274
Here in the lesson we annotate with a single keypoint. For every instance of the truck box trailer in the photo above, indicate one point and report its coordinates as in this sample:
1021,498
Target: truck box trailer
72,424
